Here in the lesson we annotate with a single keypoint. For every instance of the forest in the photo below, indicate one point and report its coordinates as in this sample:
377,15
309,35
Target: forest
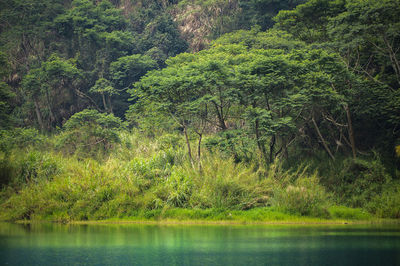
250,110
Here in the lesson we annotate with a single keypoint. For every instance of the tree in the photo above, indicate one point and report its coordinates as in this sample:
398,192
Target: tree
51,87
366,36
106,90
309,21
89,132
5,94
172,89
261,12
368,32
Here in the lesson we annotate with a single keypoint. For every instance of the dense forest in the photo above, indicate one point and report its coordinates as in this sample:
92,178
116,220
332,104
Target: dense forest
150,108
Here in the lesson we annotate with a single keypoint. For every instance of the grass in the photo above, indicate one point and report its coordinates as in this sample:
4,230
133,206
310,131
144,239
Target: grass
266,215
151,180
343,212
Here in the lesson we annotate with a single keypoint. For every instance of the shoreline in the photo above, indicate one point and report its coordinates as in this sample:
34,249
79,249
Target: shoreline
214,222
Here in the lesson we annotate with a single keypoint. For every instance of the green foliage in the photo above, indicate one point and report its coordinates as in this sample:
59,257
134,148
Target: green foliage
19,138
129,69
282,92
149,179
50,88
180,187
371,29
342,212
255,38
305,197
33,167
359,181
234,143
261,12
323,84
308,21
6,95
162,33
386,204
89,132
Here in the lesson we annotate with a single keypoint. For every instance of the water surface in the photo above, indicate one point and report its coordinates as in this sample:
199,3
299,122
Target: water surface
56,244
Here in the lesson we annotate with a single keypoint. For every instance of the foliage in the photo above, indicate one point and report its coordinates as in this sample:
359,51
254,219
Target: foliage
342,212
359,181
386,204
30,168
261,12
6,95
44,86
89,132
234,143
19,138
283,118
304,197
149,179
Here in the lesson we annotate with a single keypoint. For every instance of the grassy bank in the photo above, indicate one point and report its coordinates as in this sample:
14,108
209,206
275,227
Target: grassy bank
144,179
266,215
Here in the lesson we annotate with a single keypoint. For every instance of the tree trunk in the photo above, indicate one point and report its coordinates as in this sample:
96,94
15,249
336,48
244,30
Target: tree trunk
221,120
260,143
110,105
188,145
351,132
52,116
393,58
104,101
38,115
199,150
285,148
323,140
272,149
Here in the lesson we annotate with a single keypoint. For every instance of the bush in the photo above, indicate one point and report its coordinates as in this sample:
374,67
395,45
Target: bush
304,197
32,166
225,184
233,143
89,133
19,138
359,181
386,204
180,188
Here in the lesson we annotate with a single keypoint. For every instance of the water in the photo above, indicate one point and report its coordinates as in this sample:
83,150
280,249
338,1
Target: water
55,244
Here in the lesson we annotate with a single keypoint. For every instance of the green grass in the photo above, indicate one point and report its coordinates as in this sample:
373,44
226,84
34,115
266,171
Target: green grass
266,215
146,179
342,212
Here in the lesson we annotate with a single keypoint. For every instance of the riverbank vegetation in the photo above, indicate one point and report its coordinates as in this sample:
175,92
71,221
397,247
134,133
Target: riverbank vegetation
111,110
153,179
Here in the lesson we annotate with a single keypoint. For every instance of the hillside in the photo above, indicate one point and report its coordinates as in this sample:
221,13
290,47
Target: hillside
219,104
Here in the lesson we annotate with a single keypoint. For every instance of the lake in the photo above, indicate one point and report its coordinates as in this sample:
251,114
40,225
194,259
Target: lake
133,244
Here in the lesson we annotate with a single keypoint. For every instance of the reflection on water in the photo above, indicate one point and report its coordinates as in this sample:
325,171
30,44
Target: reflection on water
55,244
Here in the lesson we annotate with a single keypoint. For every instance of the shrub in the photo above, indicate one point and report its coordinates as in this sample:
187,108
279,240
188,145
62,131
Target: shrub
359,181
19,138
305,197
32,166
225,184
387,204
233,143
171,141
180,187
90,132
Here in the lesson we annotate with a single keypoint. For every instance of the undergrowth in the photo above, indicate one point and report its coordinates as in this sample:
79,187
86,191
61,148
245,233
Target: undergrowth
153,179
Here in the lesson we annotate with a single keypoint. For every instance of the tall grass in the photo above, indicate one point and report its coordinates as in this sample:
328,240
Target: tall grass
153,179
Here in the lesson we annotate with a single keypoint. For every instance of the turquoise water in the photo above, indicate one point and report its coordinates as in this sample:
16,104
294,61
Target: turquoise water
55,244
